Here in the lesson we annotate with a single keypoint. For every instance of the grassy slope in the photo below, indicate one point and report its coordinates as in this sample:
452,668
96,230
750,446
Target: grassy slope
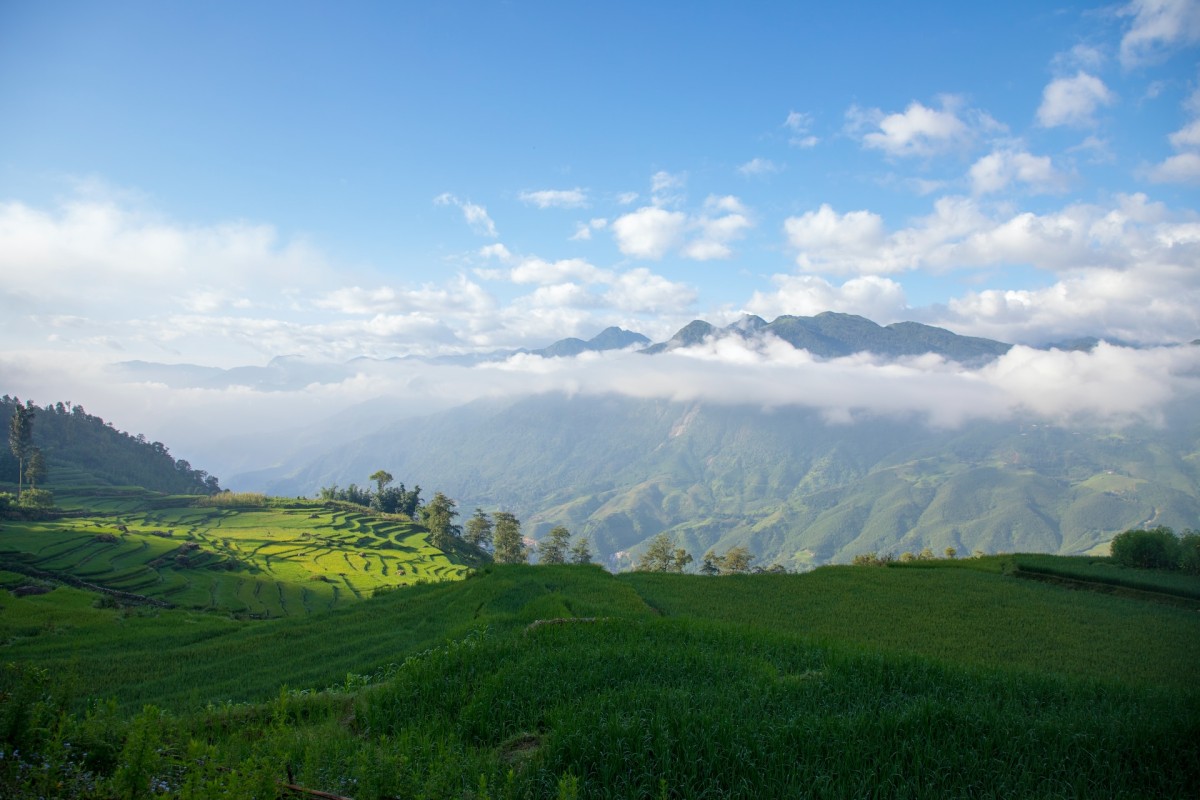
268,562
842,683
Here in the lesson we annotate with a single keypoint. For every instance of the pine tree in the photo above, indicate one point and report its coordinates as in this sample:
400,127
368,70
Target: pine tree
510,547
581,552
479,530
554,547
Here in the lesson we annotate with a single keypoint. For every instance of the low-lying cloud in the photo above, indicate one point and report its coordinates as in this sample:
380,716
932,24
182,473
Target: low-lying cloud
1110,385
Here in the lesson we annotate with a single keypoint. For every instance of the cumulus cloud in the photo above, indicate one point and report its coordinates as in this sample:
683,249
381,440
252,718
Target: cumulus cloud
652,232
1180,168
1073,101
536,270
476,216
879,299
959,234
1150,304
641,291
1157,28
649,232
556,198
1003,167
917,131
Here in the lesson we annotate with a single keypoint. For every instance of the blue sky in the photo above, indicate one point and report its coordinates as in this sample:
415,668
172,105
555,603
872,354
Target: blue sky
220,183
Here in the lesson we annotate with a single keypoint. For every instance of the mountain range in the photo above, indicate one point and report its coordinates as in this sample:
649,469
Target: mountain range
787,483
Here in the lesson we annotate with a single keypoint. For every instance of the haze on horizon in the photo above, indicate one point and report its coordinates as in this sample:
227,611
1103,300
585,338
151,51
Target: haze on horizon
221,184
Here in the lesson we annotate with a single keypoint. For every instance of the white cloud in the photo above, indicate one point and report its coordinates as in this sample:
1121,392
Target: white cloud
1181,168
823,235
583,230
652,232
649,232
1187,136
958,234
536,270
879,299
800,124
663,181
1158,27
563,295
666,189
641,291
1081,56
1001,168
460,295
626,198
475,215
917,131
758,166
1073,101
556,198
497,251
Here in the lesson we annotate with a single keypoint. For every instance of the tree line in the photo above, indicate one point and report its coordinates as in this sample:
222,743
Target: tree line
64,436
1158,548
497,534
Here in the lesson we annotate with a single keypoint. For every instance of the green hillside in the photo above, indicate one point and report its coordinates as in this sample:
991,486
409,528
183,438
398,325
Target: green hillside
788,485
571,682
265,558
82,449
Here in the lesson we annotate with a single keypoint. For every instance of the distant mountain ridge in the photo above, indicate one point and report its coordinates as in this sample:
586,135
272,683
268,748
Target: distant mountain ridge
831,335
826,335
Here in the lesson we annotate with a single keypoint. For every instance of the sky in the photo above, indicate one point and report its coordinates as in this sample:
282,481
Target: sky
222,183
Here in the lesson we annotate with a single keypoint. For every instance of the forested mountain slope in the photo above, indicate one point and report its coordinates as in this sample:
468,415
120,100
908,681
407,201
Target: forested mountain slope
81,448
787,484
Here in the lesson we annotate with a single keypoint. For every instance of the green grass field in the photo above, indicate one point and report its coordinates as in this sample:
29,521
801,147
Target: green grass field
571,682
285,559
322,647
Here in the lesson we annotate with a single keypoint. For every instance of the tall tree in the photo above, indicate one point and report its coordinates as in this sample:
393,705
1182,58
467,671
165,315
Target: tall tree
382,478
479,529
36,470
20,438
509,546
736,561
660,556
438,516
553,548
581,552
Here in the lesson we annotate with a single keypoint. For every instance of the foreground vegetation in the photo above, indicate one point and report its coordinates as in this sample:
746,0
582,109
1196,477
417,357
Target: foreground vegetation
565,681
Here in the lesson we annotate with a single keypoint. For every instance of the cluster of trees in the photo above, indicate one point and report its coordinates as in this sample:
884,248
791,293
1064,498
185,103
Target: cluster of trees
500,534
663,556
75,439
497,534
1158,548
386,498
883,559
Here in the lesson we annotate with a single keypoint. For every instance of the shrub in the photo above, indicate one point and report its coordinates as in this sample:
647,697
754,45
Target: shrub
1153,549
39,499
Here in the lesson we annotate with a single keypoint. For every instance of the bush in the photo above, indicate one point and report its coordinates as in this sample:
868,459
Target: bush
39,499
1154,549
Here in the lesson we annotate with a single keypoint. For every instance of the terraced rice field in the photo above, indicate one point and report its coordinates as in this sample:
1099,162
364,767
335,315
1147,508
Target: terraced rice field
273,561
